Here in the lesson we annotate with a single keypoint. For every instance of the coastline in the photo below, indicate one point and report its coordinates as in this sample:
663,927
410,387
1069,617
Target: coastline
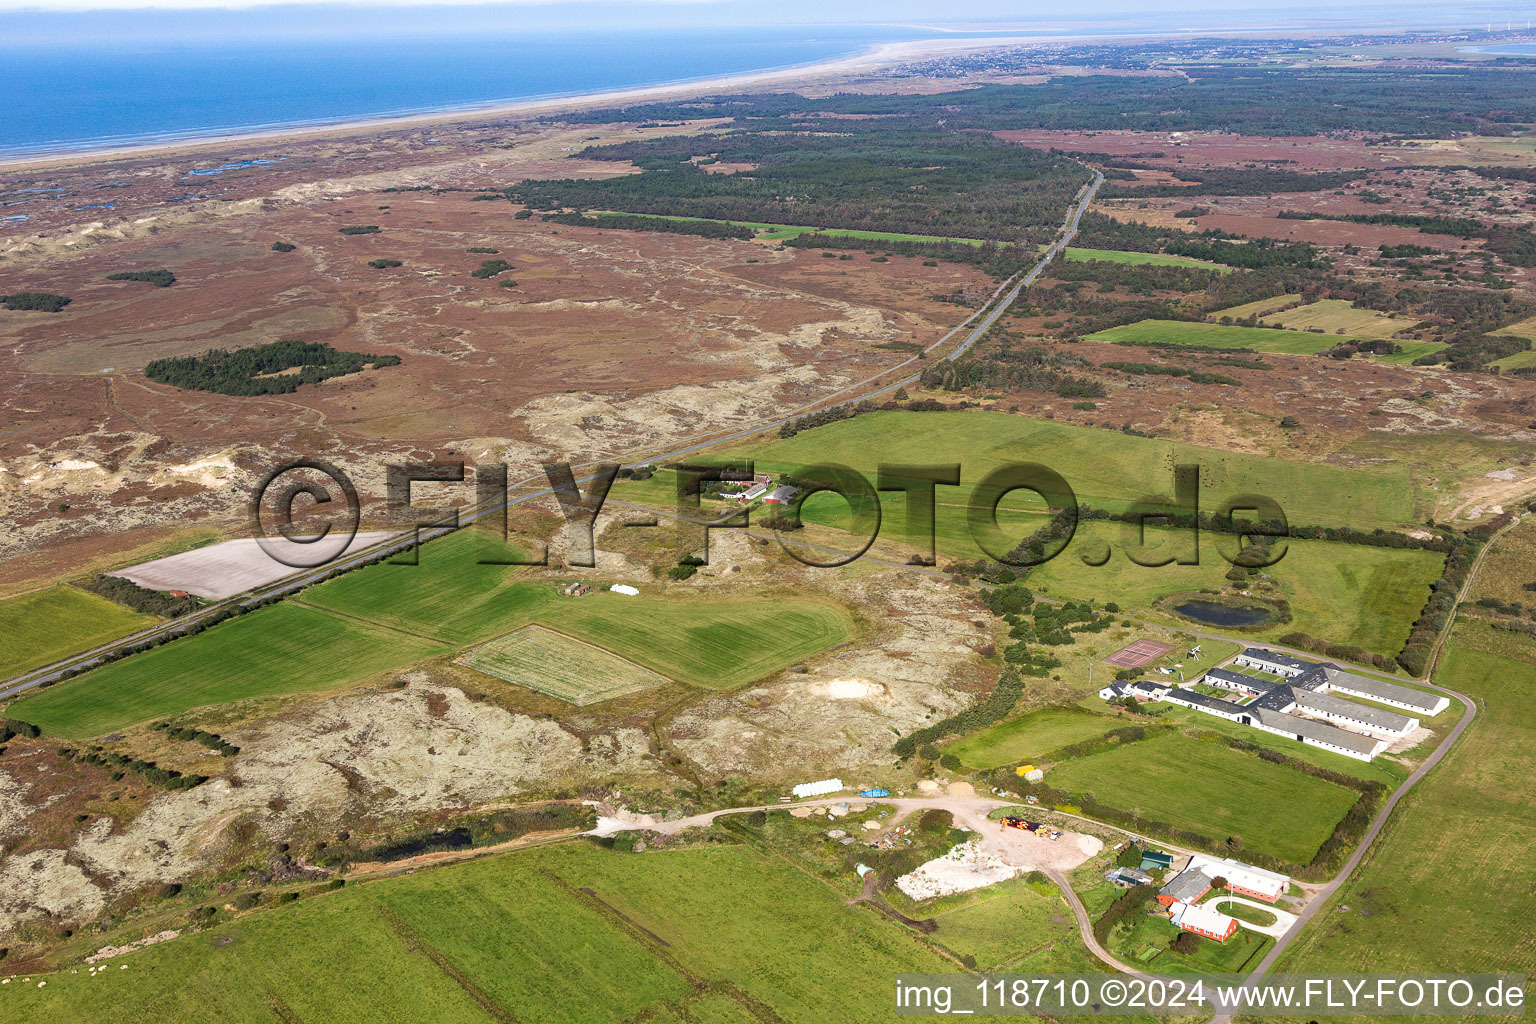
874,56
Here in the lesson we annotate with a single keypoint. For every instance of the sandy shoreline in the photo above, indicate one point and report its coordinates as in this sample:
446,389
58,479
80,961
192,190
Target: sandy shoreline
875,56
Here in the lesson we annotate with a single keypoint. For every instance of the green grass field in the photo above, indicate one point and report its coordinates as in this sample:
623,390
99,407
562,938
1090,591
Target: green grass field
41,627
696,934
1029,737
285,648
1459,853
779,232
1106,469
1142,258
1211,789
549,662
1206,335
1348,593
714,642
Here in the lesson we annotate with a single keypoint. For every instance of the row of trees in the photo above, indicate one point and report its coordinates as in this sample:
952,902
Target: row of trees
141,599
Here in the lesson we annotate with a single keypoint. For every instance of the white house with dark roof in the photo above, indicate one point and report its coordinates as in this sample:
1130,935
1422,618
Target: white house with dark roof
1272,662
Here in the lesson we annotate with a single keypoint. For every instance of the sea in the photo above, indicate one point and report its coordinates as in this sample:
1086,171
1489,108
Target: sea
110,93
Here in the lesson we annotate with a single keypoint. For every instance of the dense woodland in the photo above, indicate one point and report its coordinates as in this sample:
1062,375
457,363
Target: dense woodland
862,176
262,369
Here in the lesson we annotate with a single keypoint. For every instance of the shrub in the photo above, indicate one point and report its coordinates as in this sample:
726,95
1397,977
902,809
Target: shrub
246,900
283,247
484,249
490,268
1186,943
384,264
158,278
37,302
359,229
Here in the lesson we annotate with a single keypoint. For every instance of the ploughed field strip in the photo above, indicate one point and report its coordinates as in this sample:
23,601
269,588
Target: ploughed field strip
553,663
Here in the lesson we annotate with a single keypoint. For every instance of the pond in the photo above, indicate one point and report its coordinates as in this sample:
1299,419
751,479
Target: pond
1213,613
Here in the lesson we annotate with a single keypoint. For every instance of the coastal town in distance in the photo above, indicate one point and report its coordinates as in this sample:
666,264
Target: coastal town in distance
760,517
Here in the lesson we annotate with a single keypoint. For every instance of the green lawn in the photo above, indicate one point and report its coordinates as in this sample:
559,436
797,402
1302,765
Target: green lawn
709,641
1030,737
1458,856
1140,258
1208,788
1258,307
1106,469
1205,335
284,648
568,933
46,625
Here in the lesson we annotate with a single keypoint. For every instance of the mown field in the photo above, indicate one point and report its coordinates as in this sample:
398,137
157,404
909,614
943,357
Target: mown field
715,642
1205,787
41,627
1029,736
1141,258
543,660
1441,887
1106,469
1207,335
284,648
1256,308
515,937
1339,316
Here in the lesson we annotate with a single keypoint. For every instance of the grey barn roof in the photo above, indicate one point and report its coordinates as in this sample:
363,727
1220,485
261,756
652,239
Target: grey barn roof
1276,657
1381,719
1187,886
1240,678
1380,688
1320,732
1226,707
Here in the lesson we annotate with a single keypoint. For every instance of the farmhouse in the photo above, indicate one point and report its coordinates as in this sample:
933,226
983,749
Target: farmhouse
1149,691
1373,721
1116,691
1302,707
1187,887
1244,879
1271,662
1226,679
753,493
781,495
1210,705
1213,924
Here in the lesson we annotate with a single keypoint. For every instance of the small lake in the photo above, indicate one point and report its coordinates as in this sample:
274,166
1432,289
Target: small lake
1213,613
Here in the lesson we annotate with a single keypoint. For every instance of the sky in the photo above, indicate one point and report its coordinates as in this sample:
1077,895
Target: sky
69,23
575,13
